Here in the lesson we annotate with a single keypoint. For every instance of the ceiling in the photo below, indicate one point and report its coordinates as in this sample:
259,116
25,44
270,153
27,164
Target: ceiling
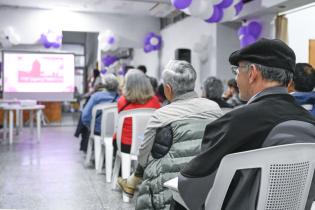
156,8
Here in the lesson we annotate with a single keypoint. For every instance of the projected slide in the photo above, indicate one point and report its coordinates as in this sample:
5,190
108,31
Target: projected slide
36,72
39,76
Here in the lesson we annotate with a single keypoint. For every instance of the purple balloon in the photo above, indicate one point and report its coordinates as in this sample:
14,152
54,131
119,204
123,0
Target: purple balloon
254,29
103,71
47,44
109,60
147,48
111,40
247,40
55,44
238,7
243,30
224,4
216,16
121,72
181,4
148,37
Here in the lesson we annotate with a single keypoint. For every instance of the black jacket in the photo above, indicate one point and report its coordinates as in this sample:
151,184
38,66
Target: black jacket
242,129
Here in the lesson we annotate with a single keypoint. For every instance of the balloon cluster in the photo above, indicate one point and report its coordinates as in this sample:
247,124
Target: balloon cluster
51,39
107,41
249,32
152,42
9,37
108,60
212,11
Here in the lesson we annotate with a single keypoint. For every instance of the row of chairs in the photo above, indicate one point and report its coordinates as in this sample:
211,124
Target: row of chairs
103,144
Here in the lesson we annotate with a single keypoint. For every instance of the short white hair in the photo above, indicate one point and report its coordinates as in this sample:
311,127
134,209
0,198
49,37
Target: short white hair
180,75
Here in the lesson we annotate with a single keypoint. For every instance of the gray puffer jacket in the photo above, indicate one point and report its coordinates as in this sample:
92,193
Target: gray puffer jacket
167,160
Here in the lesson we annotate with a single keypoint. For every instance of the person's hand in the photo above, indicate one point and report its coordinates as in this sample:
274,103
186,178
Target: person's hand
227,94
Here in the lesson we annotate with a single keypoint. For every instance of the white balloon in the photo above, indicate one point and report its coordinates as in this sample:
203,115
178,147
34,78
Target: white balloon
229,13
216,1
186,10
15,39
154,41
207,13
8,31
200,8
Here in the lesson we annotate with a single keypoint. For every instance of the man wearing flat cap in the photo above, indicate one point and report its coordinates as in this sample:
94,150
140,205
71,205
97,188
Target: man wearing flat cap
263,71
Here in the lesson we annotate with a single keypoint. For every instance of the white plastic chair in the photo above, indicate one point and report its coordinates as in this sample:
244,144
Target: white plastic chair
286,176
140,118
93,137
104,143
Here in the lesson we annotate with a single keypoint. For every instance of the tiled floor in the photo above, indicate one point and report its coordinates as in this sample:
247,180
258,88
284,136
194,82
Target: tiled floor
50,175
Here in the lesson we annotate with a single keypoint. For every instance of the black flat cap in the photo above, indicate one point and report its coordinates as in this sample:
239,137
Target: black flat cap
267,52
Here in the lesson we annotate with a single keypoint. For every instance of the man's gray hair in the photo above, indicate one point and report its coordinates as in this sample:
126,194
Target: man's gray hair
137,88
180,75
213,88
110,82
275,74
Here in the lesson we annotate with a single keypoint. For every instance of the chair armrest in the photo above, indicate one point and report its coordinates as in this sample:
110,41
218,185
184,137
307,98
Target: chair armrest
173,186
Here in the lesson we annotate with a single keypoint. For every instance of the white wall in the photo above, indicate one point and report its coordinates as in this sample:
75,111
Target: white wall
227,42
300,30
185,34
150,60
30,23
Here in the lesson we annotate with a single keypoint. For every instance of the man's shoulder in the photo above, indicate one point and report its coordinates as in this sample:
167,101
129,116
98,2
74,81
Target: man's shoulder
195,105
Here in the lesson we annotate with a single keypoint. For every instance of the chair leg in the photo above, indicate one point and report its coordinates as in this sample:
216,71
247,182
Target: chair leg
88,157
116,171
125,172
98,153
109,162
125,165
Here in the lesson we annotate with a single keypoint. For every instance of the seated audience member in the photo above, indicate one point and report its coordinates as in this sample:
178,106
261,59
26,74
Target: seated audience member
142,68
93,83
161,96
137,93
302,86
231,95
185,117
263,71
154,83
213,90
106,94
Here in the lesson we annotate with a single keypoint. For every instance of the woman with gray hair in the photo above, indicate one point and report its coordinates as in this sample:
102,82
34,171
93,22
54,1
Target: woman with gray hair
213,89
137,93
107,94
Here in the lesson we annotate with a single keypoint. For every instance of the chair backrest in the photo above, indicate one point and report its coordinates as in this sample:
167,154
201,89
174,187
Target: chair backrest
286,176
110,107
140,118
109,119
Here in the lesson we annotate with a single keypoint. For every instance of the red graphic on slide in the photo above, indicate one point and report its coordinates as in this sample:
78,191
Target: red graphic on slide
39,76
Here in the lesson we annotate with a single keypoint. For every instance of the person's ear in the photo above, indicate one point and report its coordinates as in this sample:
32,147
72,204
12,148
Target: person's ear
291,86
168,92
253,73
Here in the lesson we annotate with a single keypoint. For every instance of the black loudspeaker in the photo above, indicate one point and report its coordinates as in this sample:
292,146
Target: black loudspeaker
183,54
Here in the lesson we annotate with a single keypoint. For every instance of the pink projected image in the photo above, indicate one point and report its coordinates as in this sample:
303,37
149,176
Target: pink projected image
37,75
36,72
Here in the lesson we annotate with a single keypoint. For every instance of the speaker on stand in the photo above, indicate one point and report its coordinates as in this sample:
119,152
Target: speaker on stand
183,54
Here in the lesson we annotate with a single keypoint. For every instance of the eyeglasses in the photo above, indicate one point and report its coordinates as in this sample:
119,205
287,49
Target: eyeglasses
235,69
